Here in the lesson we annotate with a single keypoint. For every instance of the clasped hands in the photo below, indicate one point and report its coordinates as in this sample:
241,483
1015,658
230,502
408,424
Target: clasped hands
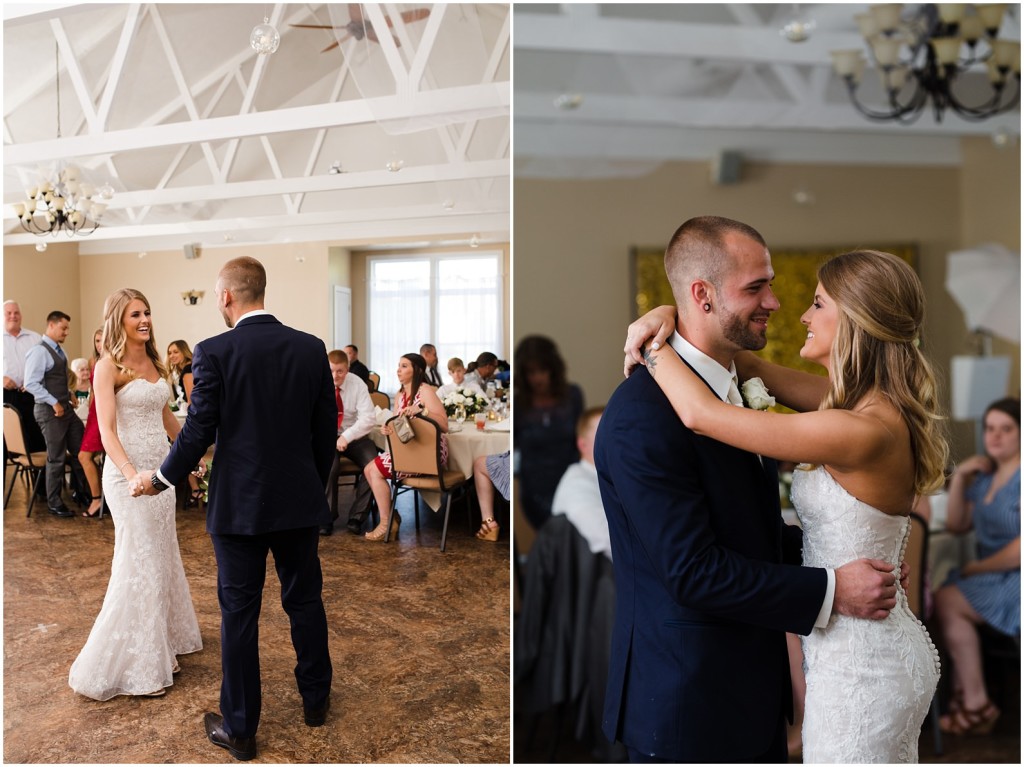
142,482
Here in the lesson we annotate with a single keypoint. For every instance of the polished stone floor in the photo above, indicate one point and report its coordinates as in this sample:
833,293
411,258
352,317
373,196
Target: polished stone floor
419,643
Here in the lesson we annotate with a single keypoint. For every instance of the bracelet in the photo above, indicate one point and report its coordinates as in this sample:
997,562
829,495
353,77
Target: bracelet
121,467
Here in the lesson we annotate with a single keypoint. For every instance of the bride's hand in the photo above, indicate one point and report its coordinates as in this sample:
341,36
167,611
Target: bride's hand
658,323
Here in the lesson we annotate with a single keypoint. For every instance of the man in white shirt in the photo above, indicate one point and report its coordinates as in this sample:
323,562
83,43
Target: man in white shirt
17,342
457,371
486,364
355,420
578,495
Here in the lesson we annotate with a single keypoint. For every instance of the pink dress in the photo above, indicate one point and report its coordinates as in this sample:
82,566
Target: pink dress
383,460
91,442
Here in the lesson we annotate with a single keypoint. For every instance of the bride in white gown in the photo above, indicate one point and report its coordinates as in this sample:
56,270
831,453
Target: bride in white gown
870,434
147,618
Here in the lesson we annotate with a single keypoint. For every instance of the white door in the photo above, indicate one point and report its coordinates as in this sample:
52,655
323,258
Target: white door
342,317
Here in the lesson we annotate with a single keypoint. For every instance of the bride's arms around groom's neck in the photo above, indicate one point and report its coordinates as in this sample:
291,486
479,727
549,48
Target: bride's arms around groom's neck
796,389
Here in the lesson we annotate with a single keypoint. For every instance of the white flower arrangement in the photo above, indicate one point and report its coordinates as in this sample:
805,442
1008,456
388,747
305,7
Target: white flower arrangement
469,400
755,394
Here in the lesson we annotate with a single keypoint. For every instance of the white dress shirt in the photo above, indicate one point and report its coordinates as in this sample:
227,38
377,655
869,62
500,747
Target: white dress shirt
358,418
578,497
719,379
448,388
15,349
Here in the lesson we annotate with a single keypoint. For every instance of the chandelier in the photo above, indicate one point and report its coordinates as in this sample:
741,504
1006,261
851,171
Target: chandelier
62,201
920,57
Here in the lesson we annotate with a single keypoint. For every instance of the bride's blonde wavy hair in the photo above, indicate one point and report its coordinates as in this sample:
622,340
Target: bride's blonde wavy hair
114,336
881,309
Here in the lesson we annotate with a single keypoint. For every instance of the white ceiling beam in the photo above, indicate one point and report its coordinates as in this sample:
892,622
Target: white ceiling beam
131,23
793,82
75,72
430,30
321,134
559,34
492,98
325,182
373,13
744,14
286,222
536,108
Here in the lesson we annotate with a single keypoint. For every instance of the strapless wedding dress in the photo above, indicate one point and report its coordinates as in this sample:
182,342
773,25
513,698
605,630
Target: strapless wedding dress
147,616
869,683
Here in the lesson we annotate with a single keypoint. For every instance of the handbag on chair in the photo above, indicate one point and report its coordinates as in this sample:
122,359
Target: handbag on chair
403,429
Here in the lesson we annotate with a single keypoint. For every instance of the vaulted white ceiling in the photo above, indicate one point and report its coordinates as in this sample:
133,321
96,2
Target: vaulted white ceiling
204,140
685,81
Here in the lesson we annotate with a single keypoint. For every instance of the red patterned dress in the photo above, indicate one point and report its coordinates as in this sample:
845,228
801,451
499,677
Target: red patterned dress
91,442
383,460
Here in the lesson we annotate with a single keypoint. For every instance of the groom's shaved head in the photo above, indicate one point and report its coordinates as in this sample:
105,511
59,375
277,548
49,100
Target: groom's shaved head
697,252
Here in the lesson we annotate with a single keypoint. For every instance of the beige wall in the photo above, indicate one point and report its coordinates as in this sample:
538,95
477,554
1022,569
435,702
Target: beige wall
572,242
359,293
299,291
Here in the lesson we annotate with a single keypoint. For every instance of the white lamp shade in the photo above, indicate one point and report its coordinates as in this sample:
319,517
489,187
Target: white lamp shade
977,383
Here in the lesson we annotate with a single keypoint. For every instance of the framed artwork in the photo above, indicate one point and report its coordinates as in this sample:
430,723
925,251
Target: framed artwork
795,280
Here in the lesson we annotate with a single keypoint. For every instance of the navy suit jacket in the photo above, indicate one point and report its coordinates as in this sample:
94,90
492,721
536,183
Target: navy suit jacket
699,670
263,392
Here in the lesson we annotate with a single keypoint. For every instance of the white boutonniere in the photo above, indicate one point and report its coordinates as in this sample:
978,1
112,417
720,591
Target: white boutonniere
755,394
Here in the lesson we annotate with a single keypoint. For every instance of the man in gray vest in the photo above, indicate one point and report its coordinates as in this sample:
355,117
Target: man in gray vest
46,379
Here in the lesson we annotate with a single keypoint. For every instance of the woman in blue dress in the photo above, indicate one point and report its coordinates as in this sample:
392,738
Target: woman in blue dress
984,493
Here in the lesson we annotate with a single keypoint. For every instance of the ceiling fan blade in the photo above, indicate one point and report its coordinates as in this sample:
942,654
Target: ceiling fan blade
336,43
316,26
355,11
414,15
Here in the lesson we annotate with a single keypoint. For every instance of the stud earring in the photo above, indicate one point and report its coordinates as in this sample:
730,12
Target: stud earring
707,307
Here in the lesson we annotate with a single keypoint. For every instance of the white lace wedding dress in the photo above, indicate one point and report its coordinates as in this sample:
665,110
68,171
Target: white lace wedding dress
869,683
147,616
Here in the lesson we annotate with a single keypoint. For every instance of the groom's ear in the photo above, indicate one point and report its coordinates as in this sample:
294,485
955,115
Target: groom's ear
701,292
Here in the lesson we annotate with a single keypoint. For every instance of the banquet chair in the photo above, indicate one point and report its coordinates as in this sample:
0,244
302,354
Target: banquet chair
380,399
421,456
374,382
349,473
26,464
916,557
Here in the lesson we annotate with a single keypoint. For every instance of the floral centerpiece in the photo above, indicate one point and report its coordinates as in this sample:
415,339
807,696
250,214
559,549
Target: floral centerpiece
469,401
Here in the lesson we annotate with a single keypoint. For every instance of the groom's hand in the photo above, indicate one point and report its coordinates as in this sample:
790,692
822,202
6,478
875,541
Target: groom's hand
146,487
865,588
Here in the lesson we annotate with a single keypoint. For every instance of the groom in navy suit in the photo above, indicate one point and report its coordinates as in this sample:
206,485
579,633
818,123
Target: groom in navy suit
263,392
707,575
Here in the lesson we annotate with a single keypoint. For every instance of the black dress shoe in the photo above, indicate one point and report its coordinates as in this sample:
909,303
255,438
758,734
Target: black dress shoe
317,715
62,511
242,749
326,529
355,526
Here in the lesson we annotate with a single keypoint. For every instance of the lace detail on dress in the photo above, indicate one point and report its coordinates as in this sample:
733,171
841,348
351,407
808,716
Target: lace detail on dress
869,683
147,616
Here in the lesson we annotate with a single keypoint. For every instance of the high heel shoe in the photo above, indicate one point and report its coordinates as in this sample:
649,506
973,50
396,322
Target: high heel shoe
194,498
99,507
966,721
378,533
489,530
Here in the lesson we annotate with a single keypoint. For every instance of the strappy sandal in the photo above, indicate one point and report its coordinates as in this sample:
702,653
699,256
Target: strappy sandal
965,721
93,498
193,500
489,530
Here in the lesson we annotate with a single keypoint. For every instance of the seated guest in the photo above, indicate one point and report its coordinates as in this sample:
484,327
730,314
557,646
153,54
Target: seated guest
354,365
78,383
490,472
984,493
483,371
179,376
458,373
578,495
412,399
179,370
429,353
546,408
355,420
17,341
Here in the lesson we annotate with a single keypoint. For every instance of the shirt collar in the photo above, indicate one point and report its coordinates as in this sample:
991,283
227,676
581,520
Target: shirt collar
717,377
50,341
253,313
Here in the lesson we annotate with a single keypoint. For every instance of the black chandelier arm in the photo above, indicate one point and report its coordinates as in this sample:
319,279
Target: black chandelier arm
993,106
60,223
906,112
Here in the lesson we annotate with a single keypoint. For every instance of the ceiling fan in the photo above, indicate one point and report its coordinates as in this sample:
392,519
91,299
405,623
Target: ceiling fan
359,27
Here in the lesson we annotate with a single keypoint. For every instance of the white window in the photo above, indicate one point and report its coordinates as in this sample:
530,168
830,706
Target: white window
452,301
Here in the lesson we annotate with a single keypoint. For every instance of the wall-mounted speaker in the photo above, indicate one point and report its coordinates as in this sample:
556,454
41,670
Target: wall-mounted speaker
726,167
192,250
